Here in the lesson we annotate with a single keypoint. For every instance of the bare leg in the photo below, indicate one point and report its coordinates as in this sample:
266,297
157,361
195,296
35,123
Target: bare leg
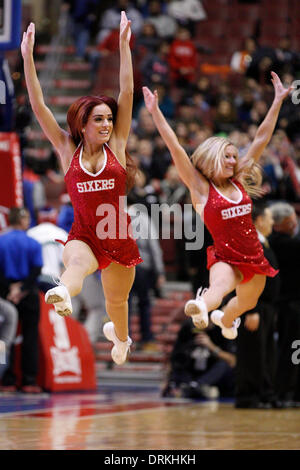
246,299
117,281
223,279
79,261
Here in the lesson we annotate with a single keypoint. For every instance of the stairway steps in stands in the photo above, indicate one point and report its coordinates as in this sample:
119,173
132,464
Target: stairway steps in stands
67,66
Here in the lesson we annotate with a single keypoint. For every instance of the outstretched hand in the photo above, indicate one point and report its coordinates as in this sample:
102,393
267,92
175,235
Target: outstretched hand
28,41
280,91
125,30
151,99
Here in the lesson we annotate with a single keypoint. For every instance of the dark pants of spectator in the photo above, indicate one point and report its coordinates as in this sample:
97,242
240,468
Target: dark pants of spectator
8,327
141,288
45,283
256,359
215,374
29,313
220,374
288,325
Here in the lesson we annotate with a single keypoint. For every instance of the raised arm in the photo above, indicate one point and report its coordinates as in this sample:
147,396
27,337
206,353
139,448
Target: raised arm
122,125
187,172
266,129
59,138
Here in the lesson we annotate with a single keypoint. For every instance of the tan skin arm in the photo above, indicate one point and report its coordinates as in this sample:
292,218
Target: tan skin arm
204,340
60,139
119,137
197,184
266,129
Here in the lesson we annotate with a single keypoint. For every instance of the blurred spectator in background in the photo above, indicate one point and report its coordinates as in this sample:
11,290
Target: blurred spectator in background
226,119
288,59
23,120
107,47
202,364
145,128
172,197
149,275
187,13
256,357
20,265
147,41
204,87
173,191
66,213
272,174
143,192
161,158
197,258
155,66
241,60
204,112
244,103
186,111
289,110
183,58
262,63
285,242
181,129
82,16
8,329
165,25
111,19
47,234
257,112
34,194
144,151
166,103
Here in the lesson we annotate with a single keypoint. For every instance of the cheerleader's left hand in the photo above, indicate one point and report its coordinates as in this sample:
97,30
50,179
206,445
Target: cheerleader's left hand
280,91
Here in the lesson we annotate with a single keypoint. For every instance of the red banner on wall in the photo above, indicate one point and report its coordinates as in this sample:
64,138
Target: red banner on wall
11,187
67,360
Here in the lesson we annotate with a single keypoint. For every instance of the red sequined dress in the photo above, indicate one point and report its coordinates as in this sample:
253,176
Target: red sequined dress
100,219
235,237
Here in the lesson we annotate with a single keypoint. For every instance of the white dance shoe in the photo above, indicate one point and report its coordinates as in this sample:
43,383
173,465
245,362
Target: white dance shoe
120,349
60,298
197,310
229,333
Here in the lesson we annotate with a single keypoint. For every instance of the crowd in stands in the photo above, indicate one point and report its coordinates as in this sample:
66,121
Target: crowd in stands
166,57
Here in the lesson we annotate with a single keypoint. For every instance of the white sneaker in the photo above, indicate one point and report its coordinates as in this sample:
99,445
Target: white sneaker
197,309
60,298
229,333
121,348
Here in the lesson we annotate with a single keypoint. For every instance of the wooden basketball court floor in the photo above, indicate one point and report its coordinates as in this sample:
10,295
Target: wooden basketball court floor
139,419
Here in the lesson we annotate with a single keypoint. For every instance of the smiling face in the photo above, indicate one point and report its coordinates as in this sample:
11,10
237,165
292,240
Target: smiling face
229,161
99,126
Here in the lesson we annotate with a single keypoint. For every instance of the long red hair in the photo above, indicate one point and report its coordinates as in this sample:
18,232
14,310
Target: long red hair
77,117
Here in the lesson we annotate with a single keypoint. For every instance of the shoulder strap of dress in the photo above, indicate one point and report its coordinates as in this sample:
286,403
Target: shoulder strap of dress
237,183
77,151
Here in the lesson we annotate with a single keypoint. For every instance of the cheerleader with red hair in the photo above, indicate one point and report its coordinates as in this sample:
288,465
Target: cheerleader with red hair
98,170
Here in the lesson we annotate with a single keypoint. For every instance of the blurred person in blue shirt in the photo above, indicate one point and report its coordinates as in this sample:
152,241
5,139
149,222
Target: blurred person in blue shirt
20,265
